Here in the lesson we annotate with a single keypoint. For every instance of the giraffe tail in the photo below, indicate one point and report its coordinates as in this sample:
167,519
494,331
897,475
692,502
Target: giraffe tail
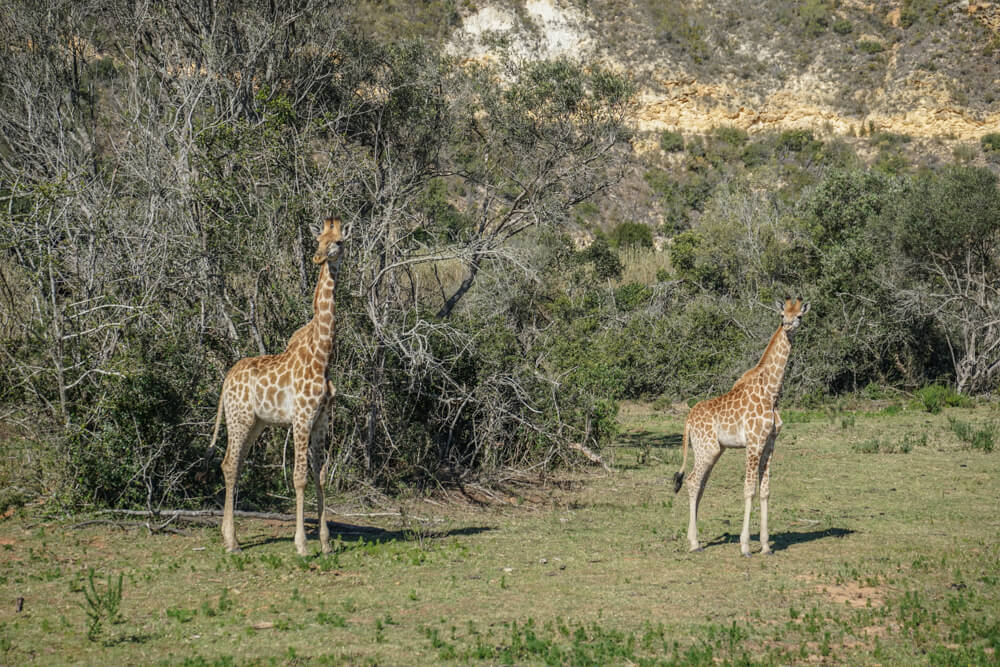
679,475
215,433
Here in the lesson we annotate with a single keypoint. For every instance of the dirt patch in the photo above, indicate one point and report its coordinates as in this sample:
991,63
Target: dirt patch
855,594
850,593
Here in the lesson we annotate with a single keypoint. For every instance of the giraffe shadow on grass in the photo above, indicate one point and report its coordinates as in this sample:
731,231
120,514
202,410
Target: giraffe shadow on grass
350,533
647,442
652,439
781,541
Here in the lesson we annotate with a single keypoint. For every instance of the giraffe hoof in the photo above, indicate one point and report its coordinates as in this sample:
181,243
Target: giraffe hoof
234,550
745,554
767,553
695,550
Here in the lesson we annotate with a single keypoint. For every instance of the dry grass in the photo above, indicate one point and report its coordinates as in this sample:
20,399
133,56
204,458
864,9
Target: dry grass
642,264
888,558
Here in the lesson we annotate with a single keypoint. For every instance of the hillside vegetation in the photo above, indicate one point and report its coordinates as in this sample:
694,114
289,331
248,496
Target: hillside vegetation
529,243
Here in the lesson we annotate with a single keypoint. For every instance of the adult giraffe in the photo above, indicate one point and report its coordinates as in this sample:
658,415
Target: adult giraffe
286,389
747,417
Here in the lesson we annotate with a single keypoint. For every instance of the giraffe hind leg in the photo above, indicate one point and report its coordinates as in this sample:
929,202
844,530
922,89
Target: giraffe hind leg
317,462
754,465
706,453
242,433
764,473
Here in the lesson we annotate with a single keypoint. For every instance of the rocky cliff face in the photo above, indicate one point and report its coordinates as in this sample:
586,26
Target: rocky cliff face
930,70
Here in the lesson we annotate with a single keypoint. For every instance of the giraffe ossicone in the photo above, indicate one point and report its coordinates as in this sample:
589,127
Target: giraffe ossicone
744,417
287,389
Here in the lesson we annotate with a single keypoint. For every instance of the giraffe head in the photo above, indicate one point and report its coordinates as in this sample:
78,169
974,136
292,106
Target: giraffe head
791,313
330,242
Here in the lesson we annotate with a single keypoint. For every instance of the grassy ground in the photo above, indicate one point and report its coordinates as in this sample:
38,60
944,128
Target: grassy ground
886,553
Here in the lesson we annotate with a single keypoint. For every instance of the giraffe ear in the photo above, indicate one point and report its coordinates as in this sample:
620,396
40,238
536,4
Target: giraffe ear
779,305
805,308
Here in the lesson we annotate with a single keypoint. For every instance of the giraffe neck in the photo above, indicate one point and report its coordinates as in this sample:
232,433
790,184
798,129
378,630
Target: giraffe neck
771,369
323,310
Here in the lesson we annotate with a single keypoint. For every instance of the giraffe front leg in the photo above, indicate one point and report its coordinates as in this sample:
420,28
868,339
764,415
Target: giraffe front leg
765,490
749,488
317,451
301,437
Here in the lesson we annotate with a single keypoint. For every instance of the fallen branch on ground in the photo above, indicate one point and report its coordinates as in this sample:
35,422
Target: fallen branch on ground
590,454
126,525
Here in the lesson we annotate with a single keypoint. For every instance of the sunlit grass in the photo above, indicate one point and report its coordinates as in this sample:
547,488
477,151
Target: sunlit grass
882,555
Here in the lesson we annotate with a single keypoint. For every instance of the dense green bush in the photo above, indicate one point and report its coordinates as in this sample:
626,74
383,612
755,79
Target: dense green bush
869,46
935,397
631,234
671,142
815,16
605,261
796,141
842,27
991,142
733,136
756,153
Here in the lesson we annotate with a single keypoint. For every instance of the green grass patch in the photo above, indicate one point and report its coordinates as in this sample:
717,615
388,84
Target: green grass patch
575,568
981,437
934,398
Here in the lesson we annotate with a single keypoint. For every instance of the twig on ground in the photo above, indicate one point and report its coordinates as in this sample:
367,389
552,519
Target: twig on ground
589,454
130,525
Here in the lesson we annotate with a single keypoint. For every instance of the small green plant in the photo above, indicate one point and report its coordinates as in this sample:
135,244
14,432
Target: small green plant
981,438
873,391
671,142
380,624
935,397
224,605
870,46
239,561
842,27
964,153
274,561
331,619
910,441
181,615
103,606
870,446
904,446
991,142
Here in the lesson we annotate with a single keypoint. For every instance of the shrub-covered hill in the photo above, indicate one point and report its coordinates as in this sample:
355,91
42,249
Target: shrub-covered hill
927,69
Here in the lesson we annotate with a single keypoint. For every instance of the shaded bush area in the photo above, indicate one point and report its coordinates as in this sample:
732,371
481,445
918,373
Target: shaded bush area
163,170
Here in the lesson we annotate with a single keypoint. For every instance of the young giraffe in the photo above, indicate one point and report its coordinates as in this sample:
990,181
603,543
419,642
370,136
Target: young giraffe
285,389
746,416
